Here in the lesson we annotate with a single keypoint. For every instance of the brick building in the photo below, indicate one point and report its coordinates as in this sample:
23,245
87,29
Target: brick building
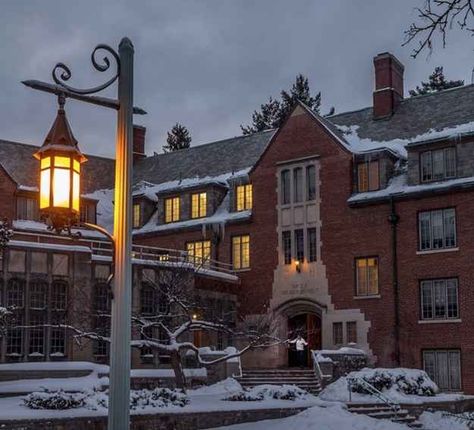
354,229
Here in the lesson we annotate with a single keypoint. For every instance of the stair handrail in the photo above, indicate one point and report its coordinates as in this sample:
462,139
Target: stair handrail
394,406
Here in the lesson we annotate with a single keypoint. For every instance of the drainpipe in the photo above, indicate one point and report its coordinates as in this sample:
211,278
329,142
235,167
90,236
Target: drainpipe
393,219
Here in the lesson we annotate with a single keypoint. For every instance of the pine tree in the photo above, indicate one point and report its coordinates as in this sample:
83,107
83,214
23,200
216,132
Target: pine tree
436,82
178,138
274,112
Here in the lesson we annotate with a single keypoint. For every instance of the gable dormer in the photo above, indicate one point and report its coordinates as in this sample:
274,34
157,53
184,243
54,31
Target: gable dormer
373,170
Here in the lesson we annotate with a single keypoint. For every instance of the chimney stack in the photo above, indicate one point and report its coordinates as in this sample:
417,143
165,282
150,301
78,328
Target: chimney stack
388,85
138,142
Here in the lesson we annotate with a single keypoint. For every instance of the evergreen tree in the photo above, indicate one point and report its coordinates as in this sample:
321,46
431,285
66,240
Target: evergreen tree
436,82
274,112
178,138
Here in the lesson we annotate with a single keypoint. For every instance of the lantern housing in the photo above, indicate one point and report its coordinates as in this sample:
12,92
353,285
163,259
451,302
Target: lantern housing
60,171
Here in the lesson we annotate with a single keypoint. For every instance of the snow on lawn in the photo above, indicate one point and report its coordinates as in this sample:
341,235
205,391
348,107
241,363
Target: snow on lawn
324,416
400,381
204,399
437,421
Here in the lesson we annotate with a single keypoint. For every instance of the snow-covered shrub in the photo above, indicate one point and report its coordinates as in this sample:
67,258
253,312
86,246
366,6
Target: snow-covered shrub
157,398
267,392
407,381
5,316
55,400
6,233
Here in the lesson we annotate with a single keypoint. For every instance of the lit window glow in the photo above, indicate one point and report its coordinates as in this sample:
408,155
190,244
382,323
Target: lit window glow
45,182
172,209
198,205
244,197
61,188
241,252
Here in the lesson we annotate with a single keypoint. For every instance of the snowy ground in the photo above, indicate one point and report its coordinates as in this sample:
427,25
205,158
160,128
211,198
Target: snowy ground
205,399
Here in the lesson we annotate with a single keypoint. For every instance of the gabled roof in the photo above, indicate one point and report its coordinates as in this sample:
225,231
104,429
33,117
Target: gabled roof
441,114
208,160
18,161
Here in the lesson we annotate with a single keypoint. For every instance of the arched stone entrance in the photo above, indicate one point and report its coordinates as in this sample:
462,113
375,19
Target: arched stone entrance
303,317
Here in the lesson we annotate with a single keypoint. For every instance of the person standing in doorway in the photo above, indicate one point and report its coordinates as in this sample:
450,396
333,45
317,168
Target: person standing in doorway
300,344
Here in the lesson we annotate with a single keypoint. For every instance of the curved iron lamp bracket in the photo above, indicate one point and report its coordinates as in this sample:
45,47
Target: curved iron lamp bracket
62,73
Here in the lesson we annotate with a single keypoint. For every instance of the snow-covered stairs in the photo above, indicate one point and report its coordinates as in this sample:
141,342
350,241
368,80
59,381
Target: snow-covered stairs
382,411
304,379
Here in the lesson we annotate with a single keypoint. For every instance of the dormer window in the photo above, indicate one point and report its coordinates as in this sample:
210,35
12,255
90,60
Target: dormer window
438,164
137,215
172,209
198,205
27,208
368,176
244,197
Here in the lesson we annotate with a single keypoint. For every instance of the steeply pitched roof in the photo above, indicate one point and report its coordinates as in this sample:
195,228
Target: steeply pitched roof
18,161
415,117
208,160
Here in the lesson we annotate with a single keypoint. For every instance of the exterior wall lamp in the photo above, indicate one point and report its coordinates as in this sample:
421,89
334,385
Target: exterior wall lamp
298,266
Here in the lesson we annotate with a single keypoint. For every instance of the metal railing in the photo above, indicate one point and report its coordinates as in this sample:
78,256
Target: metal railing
317,368
166,256
394,406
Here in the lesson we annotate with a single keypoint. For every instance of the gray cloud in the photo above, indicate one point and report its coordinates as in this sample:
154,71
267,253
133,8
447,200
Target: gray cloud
207,63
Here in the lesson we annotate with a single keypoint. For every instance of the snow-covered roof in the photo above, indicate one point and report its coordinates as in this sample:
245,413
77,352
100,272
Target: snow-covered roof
445,114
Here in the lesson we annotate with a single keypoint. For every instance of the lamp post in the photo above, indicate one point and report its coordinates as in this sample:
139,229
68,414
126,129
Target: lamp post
60,163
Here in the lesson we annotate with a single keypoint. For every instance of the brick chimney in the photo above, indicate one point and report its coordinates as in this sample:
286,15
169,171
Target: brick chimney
388,85
138,142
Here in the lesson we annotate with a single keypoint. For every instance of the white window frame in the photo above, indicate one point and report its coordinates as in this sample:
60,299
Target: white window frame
431,229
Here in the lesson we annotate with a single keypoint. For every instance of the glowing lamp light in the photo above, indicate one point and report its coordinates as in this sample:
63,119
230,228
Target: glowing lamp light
195,316
298,266
60,170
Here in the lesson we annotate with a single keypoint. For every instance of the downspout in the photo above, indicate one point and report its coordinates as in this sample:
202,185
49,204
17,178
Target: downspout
393,219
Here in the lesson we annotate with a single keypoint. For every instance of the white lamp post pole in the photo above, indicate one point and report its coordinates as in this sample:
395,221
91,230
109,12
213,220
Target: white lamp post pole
119,392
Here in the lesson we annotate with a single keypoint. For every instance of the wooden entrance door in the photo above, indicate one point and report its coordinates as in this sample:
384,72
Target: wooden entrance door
309,327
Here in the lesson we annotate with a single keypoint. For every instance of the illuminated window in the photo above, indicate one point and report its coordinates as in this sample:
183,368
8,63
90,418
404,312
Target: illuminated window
241,252
172,209
368,176
244,197
136,215
367,276
198,205
199,252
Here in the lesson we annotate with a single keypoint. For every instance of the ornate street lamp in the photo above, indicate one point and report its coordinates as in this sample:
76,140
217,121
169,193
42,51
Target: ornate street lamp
60,170
60,165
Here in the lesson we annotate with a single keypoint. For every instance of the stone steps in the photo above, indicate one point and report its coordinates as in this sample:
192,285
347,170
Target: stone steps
382,411
304,379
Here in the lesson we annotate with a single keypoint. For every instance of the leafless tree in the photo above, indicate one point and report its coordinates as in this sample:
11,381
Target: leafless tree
176,312
437,17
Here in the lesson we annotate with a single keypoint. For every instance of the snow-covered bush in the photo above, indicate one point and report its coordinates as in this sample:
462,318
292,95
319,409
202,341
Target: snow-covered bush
406,381
5,315
6,233
267,392
55,400
139,399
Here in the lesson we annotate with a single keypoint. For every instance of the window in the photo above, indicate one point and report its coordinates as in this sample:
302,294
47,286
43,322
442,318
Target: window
36,335
337,334
285,187
198,205
286,242
38,291
27,208
147,299
15,293
241,252
101,298
172,209
437,229
199,252
88,212
439,299
437,165
368,177
58,342
137,215
310,182
367,276
444,367
244,197
312,247
15,338
59,295
351,331
299,245
298,184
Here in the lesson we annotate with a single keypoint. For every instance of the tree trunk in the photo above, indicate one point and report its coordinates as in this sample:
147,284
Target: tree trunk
178,370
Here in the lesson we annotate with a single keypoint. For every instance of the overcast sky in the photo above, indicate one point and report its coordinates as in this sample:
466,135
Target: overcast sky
205,63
